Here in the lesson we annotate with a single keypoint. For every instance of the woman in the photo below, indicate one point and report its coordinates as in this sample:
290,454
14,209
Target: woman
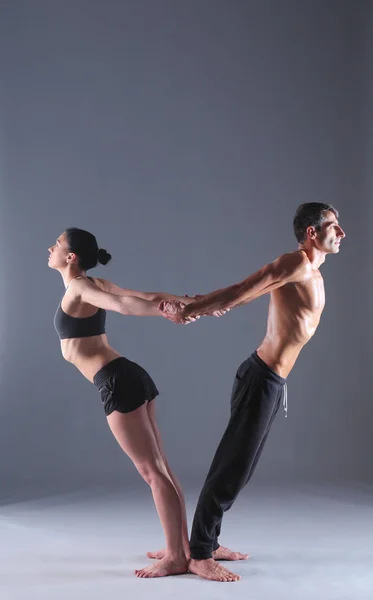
127,391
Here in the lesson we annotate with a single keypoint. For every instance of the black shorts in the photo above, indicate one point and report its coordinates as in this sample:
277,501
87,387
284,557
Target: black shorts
124,386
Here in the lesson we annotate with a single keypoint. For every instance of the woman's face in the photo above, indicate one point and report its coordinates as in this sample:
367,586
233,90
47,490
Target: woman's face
58,253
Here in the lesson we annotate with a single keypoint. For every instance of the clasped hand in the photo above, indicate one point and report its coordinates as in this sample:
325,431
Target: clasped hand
173,310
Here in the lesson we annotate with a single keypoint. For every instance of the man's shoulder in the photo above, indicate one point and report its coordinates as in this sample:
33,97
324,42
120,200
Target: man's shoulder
293,265
297,258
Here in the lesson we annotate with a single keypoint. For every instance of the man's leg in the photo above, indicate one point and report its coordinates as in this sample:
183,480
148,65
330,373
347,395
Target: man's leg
216,545
254,405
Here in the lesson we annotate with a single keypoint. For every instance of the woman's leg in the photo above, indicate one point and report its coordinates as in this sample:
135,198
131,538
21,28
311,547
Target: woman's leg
135,436
160,553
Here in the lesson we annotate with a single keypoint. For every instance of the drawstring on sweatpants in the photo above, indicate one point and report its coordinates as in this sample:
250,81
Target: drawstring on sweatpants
285,399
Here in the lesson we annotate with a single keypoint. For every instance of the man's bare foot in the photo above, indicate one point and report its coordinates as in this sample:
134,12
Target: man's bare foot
210,569
166,566
222,553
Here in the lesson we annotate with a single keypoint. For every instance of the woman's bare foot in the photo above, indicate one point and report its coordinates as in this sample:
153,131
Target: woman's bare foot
166,566
222,553
210,569
159,554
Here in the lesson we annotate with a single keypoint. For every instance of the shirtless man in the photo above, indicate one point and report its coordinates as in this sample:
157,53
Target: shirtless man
296,303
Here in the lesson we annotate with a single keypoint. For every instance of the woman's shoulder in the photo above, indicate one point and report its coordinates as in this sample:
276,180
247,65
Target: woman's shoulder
103,284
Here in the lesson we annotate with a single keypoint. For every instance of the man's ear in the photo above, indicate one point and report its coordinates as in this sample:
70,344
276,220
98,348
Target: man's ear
311,232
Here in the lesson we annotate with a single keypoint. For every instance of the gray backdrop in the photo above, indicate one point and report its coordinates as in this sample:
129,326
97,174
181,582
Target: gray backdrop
368,202
183,134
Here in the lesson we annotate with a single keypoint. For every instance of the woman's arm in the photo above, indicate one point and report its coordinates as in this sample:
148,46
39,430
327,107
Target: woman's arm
134,305
112,288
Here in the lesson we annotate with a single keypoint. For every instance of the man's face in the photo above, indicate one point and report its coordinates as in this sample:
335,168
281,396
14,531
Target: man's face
329,237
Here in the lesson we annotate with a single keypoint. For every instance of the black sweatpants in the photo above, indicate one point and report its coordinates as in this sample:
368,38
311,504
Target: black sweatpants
256,397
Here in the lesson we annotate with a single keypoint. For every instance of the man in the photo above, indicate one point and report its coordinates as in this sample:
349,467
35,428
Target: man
296,303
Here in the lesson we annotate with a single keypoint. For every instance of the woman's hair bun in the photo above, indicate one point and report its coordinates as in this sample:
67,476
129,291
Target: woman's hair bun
103,257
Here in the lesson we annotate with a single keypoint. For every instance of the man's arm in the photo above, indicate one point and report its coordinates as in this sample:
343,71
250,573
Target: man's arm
285,269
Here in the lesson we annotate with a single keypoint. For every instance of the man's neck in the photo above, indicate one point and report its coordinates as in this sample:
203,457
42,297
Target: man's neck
315,256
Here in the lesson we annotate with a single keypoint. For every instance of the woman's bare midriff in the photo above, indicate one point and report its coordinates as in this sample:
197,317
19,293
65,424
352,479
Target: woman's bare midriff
88,355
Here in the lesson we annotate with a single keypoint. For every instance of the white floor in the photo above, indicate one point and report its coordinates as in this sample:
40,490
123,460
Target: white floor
306,542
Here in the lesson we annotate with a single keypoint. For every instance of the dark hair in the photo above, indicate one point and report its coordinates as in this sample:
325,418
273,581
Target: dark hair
310,214
84,245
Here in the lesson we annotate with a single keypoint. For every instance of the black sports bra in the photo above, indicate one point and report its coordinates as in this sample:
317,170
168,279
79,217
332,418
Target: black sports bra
77,327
